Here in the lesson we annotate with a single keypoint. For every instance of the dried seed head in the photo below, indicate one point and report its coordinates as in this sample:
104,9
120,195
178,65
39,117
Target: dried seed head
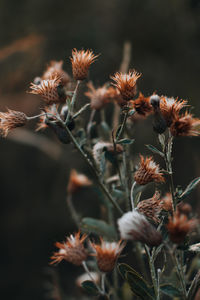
148,171
72,250
126,84
99,97
170,108
135,226
76,181
142,105
100,147
81,61
151,207
55,68
166,202
185,125
85,276
48,90
107,254
10,120
179,226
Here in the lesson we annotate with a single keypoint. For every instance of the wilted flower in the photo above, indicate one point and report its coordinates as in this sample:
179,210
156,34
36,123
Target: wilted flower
134,226
151,208
185,125
101,96
10,120
85,276
48,90
142,105
81,61
55,69
148,171
100,147
170,108
126,84
72,250
107,254
179,226
76,181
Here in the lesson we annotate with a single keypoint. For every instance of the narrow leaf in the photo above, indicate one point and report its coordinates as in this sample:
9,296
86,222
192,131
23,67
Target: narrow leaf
90,287
155,150
191,186
170,290
125,141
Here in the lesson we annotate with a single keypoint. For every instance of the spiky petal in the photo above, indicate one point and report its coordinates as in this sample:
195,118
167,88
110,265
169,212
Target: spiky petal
134,226
107,254
148,171
72,250
185,125
55,69
10,120
81,61
126,83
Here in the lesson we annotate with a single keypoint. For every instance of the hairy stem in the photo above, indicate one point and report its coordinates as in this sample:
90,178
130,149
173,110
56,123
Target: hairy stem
153,273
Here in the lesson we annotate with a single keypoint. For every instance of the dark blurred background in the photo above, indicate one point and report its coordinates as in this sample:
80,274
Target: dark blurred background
165,39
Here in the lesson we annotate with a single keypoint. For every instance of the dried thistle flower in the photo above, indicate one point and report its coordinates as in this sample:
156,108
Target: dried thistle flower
76,181
81,61
10,120
166,202
170,108
185,125
142,105
107,254
98,97
55,68
85,276
100,147
48,90
179,226
126,83
72,250
134,226
148,171
151,207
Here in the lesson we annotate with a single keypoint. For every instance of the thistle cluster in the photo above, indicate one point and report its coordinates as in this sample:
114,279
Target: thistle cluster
163,225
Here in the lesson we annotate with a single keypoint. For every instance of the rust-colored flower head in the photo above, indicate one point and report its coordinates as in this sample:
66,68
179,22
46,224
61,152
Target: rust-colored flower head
134,226
184,208
48,90
76,181
148,171
98,97
166,202
72,250
10,120
81,61
102,146
179,226
170,108
55,68
126,83
142,105
43,121
185,125
107,254
151,207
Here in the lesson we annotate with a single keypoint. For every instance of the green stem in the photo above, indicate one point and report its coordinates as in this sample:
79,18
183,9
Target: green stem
74,96
153,273
122,126
94,171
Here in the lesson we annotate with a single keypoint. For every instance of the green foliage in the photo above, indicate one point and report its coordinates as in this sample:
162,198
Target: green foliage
99,227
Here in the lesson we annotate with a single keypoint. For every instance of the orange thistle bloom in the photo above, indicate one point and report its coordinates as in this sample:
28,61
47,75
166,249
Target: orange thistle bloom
107,254
76,181
148,171
10,120
185,125
142,105
48,90
81,61
55,69
170,108
99,97
72,250
126,84
151,207
179,226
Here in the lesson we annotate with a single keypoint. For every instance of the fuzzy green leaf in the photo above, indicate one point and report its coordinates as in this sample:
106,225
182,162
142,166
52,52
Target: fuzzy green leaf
191,186
99,227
